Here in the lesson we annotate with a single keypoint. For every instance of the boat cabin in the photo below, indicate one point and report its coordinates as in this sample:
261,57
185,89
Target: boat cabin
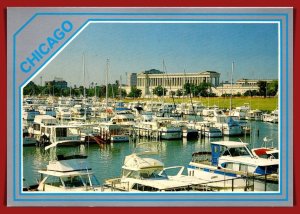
236,156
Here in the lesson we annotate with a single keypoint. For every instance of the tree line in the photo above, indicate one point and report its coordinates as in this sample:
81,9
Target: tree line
265,89
94,90
203,90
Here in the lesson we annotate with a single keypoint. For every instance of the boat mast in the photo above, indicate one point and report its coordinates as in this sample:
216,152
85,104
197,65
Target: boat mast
163,82
106,92
169,81
84,95
190,94
232,68
120,87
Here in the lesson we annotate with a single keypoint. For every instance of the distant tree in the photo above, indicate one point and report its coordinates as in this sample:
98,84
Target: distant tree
75,92
203,89
90,92
31,89
123,93
179,92
188,88
225,95
102,90
272,88
81,90
65,92
172,93
262,85
159,91
250,93
135,92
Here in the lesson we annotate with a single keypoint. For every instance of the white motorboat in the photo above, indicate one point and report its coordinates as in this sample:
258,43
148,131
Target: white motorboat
221,180
63,113
47,110
111,133
228,125
254,115
271,118
266,151
240,112
236,156
207,129
230,160
29,113
143,173
161,126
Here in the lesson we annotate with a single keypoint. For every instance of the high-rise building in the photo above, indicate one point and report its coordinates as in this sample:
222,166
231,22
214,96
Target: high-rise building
132,79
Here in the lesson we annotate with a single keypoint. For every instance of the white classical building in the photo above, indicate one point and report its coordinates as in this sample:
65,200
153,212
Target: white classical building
233,89
241,86
148,80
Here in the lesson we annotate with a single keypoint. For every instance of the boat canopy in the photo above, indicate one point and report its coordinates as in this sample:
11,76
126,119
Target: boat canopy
230,144
134,162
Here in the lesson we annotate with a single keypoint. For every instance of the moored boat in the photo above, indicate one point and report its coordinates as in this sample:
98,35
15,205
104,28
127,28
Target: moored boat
68,173
229,160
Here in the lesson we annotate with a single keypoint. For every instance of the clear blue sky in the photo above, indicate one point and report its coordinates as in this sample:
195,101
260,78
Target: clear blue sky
190,47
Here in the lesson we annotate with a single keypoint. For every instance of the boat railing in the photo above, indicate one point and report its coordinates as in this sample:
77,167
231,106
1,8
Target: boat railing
200,157
74,137
116,184
247,182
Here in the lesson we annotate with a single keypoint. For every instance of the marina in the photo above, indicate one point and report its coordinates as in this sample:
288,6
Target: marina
107,143
150,107
83,128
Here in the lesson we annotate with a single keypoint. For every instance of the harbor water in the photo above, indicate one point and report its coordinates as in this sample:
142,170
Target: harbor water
106,160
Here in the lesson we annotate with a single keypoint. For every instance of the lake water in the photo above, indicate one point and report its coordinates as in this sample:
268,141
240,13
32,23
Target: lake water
107,160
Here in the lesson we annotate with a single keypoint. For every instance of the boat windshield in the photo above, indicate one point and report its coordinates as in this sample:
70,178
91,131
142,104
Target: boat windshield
234,152
73,181
145,174
153,174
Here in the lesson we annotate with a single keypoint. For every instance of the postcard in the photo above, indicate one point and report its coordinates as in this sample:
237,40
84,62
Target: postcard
150,107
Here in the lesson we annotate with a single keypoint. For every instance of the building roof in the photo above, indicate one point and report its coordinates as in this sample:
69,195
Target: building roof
209,72
157,72
153,71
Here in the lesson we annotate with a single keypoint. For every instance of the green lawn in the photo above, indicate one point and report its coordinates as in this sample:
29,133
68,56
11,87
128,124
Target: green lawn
264,104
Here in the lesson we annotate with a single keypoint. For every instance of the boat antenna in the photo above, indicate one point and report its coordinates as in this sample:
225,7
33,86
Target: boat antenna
84,93
163,82
183,86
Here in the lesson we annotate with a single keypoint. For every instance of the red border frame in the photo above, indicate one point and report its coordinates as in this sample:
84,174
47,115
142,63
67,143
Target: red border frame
141,3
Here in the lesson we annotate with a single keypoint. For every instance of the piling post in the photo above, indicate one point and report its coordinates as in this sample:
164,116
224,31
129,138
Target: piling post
265,182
